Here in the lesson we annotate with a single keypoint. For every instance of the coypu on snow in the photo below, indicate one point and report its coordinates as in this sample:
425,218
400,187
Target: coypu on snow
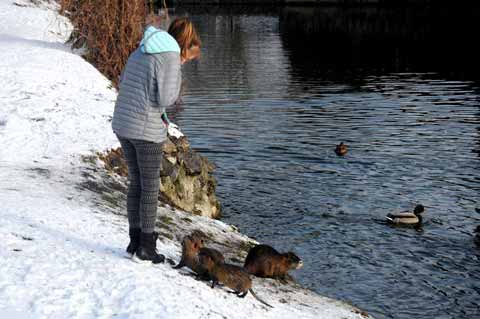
407,218
232,276
341,149
192,245
265,261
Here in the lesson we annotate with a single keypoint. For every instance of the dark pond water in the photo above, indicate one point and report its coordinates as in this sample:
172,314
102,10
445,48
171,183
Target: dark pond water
399,86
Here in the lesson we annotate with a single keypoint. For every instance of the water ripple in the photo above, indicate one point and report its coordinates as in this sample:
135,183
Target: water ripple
413,138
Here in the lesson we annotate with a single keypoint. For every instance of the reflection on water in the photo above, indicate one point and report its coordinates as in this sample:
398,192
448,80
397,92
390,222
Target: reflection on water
396,39
269,113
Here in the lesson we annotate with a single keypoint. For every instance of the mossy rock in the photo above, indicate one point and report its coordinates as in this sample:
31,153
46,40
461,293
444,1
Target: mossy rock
186,177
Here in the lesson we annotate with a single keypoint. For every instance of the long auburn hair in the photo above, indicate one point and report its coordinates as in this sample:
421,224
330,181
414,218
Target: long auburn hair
183,30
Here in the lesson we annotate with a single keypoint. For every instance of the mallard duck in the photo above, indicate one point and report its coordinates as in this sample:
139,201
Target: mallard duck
476,239
407,218
341,149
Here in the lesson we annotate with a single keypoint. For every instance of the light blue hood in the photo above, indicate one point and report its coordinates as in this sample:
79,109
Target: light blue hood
157,41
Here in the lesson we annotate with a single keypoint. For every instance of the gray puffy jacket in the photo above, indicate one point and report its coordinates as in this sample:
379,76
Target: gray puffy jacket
149,83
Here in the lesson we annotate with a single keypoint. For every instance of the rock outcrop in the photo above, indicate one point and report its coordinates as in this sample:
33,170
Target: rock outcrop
186,177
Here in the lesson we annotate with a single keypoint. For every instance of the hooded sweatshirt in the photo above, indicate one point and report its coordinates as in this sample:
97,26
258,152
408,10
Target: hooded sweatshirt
149,83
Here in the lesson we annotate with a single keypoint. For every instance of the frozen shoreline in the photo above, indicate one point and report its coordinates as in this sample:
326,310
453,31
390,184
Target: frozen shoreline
63,243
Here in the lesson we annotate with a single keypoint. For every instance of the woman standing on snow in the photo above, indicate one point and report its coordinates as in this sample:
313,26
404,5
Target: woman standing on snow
149,83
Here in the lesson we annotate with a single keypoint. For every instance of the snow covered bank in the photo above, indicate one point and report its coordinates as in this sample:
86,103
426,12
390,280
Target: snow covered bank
62,229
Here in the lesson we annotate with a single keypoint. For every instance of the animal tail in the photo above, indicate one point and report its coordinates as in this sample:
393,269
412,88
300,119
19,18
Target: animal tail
258,298
180,265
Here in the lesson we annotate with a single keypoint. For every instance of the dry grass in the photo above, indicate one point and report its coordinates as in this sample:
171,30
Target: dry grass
109,30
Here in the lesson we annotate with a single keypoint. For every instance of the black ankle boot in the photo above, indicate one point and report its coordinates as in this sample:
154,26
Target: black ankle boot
134,240
147,250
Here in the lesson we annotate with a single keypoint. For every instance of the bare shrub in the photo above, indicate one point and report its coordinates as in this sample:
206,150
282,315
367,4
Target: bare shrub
109,30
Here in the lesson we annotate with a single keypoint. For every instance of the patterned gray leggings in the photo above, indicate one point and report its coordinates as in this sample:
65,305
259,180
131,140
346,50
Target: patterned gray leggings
143,161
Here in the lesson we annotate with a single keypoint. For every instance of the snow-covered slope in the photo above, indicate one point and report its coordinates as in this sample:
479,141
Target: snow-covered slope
61,253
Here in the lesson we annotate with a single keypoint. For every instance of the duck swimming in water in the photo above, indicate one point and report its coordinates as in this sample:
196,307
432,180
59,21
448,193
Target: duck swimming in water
341,149
407,218
476,239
